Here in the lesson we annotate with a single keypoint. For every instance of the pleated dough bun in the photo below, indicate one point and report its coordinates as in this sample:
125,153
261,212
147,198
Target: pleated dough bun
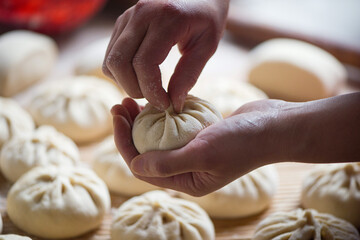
14,120
304,225
157,216
79,107
58,202
45,146
111,167
334,189
165,130
26,57
248,195
294,70
13,237
227,94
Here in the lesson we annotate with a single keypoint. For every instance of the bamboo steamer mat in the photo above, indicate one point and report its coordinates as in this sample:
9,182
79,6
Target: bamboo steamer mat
286,198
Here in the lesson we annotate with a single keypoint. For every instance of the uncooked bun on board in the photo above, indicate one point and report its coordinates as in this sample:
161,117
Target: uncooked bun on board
295,71
304,225
157,216
248,195
26,57
13,237
79,107
111,167
334,189
14,120
45,146
227,94
165,130
58,202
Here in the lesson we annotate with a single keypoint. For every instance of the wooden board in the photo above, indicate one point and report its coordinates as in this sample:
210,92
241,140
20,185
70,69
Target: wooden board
286,198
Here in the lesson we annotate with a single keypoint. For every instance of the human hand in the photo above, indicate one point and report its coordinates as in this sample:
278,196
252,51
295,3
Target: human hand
218,155
143,37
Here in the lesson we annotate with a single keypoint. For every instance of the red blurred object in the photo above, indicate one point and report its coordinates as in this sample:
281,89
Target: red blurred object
47,16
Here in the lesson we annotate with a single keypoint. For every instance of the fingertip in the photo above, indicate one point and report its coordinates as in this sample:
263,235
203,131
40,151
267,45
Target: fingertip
117,110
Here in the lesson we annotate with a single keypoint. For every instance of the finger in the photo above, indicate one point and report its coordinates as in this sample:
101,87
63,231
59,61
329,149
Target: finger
191,158
119,110
186,73
123,138
132,107
120,25
120,57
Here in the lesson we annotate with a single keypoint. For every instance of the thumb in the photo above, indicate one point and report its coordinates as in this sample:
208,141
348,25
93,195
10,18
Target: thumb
190,158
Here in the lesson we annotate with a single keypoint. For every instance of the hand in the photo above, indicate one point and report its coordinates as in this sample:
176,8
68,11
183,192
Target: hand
218,155
143,37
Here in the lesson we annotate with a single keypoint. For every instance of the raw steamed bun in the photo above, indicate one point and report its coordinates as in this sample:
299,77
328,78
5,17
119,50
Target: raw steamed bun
227,95
45,146
165,130
25,58
58,202
79,107
157,216
14,120
13,237
304,225
111,167
334,189
248,195
295,71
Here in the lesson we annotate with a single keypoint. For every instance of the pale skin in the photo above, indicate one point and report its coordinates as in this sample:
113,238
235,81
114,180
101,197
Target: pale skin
257,134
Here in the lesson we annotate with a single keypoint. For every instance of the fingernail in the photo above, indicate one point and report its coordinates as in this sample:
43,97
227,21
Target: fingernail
137,166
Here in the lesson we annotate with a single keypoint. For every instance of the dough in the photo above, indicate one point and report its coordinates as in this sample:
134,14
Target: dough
295,71
79,107
228,94
165,130
157,216
111,167
14,120
304,225
90,59
43,147
13,237
25,58
248,195
58,202
334,189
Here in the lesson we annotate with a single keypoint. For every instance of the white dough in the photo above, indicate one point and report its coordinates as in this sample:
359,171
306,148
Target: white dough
13,237
58,202
248,195
91,57
165,130
26,57
111,167
43,147
227,94
157,216
304,225
296,71
334,189
14,120
79,107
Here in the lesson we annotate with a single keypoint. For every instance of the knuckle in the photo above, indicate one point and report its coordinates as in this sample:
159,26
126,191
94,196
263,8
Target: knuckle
159,168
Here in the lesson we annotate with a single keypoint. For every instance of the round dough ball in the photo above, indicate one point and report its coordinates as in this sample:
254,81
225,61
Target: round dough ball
157,216
13,237
25,58
58,202
111,167
43,147
295,71
79,107
248,195
14,120
227,95
91,57
334,189
305,225
165,130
